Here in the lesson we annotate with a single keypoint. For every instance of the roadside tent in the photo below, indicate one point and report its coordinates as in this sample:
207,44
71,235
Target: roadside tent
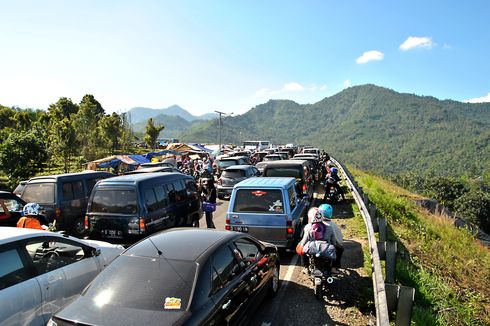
202,148
115,160
179,147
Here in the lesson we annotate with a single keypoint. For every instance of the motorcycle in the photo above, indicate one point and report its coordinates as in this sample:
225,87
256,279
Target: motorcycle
320,271
331,192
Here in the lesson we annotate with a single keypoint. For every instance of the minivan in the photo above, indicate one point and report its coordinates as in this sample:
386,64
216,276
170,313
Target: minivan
64,197
298,169
132,206
269,209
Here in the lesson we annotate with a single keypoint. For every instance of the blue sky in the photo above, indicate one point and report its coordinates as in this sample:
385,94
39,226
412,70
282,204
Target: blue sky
233,55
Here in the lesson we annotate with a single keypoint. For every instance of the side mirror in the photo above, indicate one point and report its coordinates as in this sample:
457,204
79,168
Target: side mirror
96,252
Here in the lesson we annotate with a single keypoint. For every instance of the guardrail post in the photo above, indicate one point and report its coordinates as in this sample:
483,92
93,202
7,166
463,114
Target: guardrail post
382,229
390,258
406,295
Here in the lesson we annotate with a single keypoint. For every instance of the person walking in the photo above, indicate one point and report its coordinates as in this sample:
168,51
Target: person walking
209,195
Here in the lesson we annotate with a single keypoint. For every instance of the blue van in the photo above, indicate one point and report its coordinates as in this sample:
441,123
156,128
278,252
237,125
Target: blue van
269,209
132,206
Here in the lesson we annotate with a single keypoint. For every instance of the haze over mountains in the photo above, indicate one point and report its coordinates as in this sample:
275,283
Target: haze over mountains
139,114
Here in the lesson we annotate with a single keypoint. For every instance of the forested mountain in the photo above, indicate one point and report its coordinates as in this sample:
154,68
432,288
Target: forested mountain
373,128
139,114
174,125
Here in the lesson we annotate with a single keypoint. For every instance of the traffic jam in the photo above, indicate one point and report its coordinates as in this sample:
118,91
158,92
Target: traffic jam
255,235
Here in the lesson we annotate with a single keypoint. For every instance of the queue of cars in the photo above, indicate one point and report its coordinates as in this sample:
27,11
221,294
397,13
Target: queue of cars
219,278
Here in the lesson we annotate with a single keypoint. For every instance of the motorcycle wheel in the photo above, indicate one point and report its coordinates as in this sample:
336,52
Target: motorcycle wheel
318,291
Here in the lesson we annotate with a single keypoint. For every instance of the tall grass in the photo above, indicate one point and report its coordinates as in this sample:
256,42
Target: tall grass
448,268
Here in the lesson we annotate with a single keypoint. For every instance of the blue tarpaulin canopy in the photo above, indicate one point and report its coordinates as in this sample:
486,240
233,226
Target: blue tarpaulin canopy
113,161
202,148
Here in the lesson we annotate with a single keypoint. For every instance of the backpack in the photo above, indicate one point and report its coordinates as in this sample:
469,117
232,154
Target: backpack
318,230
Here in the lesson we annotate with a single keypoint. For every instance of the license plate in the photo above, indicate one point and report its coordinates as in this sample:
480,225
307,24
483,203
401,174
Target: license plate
111,233
239,228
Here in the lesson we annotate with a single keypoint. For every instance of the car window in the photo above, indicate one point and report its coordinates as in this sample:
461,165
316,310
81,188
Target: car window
150,200
48,255
90,184
249,250
72,190
259,201
292,198
283,172
146,283
11,204
233,174
180,191
224,268
162,196
226,163
191,188
117,201
39,193
12,270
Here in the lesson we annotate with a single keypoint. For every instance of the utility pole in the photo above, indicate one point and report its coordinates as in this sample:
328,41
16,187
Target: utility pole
219,139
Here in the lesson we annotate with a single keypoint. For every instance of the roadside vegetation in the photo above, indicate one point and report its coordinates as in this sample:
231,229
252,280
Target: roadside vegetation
447,267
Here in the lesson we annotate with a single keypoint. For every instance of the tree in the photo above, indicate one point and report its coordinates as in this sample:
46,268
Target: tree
86,122
474,206
152,132
22,155
111,129
63,142
64,108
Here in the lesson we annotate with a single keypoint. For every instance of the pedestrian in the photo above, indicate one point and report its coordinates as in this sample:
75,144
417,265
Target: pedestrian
32,218
209,195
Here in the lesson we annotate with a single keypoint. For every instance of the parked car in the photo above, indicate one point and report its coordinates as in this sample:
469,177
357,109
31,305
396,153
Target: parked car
64,197
155,169
224,162
10,208
269,209
239,153
260,166
156,164
219,279
314,165
232,175
20,187
131,207
272,157
42,271
260,155
298,169
313,150
284,154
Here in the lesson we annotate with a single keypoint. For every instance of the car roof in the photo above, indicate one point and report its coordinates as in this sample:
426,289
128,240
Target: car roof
11,234
83,173
170,243
286,163
155,169
238,167
266,182
273,155
232,158
131,178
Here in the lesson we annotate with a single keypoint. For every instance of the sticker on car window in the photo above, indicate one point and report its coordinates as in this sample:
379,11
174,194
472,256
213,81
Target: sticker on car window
276,207
172,303
259,193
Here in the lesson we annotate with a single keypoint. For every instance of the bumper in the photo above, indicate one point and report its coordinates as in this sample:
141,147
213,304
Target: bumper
224,191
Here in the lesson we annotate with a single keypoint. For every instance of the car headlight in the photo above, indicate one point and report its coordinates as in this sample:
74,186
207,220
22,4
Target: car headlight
51,322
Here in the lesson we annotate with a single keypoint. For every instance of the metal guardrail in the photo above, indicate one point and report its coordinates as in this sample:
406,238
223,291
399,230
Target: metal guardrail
382,315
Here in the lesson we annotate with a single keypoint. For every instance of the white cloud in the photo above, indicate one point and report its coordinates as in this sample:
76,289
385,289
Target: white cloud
323,88
263,92
292,87
483,99
370,56
346,83
413,42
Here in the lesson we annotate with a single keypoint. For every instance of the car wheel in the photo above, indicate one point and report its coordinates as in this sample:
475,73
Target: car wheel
275,282
221,197
79,227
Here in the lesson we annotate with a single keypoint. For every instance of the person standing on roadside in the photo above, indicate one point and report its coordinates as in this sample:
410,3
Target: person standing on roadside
209,195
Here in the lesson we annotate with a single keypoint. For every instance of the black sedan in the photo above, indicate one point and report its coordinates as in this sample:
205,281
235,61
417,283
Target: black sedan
10,208
183,276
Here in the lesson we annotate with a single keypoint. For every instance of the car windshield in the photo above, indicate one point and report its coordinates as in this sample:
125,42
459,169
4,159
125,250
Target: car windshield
227,163
116,201
233,174
11,204
42,193
258,201
155,284
272,158
282,172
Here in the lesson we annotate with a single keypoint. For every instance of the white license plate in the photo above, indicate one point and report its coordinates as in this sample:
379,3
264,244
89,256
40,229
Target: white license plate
239,228
112,233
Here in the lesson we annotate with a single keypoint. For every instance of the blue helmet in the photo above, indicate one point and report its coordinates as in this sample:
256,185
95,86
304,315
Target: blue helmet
326,211
334,170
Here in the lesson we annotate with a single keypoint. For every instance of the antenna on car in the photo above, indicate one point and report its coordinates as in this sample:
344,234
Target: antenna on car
158,250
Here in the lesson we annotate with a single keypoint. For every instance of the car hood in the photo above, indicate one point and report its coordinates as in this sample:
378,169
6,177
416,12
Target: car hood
108,251
87,312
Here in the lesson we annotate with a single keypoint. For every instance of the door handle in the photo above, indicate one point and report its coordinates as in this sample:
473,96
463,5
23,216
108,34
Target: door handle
226,305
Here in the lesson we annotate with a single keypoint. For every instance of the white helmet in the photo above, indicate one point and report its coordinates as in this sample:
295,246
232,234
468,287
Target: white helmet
314,216
31,209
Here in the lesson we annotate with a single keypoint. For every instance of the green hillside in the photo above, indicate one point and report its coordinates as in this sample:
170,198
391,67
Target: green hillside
174,125
373,128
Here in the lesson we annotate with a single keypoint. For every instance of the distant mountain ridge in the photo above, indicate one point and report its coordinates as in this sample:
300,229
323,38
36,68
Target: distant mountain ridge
139,114
372,127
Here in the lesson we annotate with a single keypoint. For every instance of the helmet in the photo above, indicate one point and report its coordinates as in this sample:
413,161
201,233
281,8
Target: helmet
326,211
334,170
31,209
314,216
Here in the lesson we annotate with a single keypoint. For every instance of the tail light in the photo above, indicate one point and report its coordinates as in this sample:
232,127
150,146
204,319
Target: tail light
289,228
227,224
304,188
86,223
57,213
142,224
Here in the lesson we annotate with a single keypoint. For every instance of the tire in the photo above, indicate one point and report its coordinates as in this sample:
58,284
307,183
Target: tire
221,197
275,282
318,291
79,227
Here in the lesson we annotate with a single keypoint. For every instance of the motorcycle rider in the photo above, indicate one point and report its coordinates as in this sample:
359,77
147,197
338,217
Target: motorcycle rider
326,211
333,179
32,218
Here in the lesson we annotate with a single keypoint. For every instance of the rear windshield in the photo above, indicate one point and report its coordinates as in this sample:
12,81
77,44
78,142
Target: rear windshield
272,158
145,283
283,172
233,174
116,201
39,193
258,201
227,163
